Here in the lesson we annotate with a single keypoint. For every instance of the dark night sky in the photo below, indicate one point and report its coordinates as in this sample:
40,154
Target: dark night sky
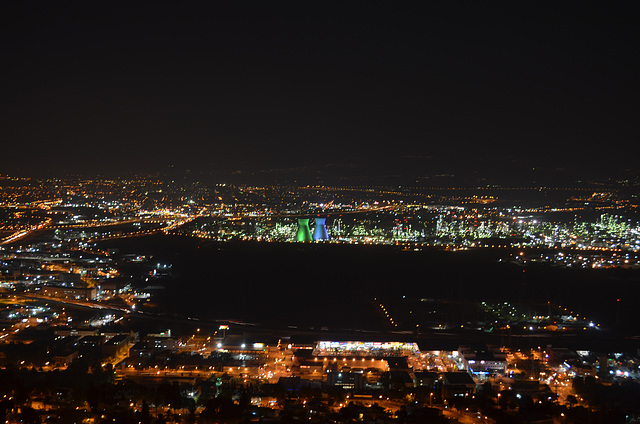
114,86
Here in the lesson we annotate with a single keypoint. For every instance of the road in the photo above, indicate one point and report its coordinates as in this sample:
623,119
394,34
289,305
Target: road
24,233
467,417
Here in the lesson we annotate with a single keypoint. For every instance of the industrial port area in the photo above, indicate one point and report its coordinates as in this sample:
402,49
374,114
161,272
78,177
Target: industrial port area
100,324
601,224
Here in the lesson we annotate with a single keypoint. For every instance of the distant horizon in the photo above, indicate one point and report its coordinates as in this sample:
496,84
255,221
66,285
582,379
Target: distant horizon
405,171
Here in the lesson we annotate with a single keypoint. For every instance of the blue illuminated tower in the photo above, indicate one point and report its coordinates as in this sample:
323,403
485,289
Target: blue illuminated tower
320,233
304,233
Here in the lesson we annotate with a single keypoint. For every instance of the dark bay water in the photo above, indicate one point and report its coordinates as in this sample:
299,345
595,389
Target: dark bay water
334,285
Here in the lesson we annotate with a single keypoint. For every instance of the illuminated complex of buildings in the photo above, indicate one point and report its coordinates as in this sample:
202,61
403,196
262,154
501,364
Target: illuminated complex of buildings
359,348
304,233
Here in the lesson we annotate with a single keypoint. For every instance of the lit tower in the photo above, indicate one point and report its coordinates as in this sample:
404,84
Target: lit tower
320,233
304,233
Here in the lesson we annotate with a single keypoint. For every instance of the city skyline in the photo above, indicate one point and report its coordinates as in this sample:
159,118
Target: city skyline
129,300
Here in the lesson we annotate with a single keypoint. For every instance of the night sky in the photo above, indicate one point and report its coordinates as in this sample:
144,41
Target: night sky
110,87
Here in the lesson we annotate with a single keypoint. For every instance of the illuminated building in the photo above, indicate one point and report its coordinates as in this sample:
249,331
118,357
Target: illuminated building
360,348
320,232
346,380
481,360
78,293
304,234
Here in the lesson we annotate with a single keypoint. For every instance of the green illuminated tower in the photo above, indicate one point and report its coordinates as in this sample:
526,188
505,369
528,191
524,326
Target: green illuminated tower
304,233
